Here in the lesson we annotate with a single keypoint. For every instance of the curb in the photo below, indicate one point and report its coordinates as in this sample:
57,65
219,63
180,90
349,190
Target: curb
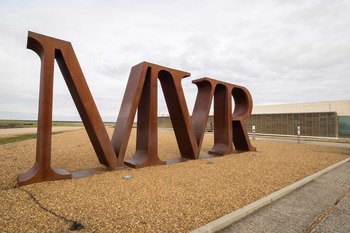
238,214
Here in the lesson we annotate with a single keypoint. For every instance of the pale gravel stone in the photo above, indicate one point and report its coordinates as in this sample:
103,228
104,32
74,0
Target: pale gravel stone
169,198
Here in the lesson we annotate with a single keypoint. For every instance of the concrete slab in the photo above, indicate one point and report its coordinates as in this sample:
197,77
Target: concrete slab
338,220
291,209
299,209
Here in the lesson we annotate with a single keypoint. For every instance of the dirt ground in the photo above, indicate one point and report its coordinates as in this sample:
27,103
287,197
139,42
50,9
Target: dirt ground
168,198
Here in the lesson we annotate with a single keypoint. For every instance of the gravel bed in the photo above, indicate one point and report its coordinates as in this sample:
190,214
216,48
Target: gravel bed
169,198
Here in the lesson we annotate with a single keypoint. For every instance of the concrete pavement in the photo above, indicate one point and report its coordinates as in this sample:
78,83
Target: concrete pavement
320,204
338,142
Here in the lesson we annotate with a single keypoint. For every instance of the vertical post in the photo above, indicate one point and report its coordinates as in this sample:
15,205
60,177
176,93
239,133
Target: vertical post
298,134
253,132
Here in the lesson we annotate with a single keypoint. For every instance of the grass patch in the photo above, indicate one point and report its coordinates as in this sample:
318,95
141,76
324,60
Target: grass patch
5,124
21,137
17,138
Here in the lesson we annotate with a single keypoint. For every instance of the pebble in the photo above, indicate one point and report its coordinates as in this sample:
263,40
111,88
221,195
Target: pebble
168,198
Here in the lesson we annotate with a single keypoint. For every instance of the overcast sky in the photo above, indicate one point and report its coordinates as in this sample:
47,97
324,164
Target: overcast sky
282,51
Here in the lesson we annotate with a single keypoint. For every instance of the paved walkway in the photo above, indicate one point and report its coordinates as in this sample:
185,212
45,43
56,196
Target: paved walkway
322,205
329,142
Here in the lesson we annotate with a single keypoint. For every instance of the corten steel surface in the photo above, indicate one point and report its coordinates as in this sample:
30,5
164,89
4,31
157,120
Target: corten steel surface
48,50
243,110
140,94
228,127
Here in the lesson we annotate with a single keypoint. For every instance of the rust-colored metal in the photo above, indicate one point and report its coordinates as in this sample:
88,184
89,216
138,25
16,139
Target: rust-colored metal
48,50
243,110
140,95
228,126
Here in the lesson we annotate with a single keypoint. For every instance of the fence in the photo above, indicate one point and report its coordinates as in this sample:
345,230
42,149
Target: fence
323,124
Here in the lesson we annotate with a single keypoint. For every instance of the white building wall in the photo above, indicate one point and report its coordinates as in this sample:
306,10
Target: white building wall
342,107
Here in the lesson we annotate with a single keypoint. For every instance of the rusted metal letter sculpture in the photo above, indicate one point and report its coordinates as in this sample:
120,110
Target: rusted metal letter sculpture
141,93
48,50
228,127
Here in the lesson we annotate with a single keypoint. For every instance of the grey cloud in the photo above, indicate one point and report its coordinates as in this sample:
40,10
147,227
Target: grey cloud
282,51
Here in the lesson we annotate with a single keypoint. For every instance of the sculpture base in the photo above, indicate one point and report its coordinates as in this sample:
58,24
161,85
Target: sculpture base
142,159
35,174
